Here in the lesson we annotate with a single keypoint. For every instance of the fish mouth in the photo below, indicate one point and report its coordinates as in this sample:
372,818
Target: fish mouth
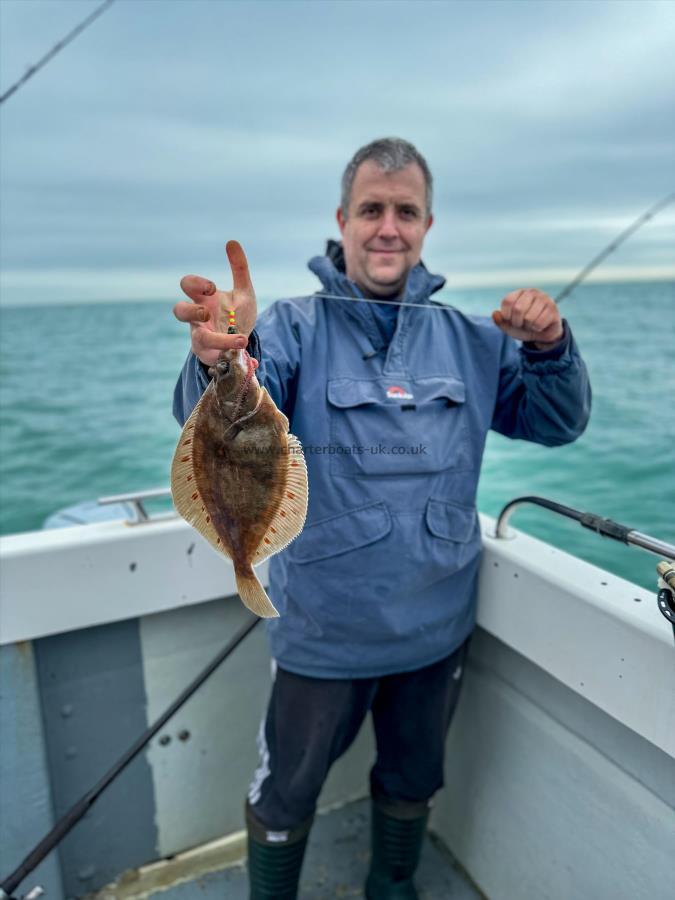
249,364
229,358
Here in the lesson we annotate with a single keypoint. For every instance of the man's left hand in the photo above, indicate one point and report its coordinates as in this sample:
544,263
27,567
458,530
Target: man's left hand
530,315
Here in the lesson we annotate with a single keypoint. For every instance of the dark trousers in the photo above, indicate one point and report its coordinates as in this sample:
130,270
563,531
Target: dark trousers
311,722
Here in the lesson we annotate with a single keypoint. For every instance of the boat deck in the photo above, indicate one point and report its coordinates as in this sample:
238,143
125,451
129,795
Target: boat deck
559,764
335,866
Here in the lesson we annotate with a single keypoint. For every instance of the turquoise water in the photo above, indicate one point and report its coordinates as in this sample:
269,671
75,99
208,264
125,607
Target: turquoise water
86,411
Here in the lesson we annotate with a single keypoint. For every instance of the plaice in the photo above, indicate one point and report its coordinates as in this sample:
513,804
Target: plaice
238,476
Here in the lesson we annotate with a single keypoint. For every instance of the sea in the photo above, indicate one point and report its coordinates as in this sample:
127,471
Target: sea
86,391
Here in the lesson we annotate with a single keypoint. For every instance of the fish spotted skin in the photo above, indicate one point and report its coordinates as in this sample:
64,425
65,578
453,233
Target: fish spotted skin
238,476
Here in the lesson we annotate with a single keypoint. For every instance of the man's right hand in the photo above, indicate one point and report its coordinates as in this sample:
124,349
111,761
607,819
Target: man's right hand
208,312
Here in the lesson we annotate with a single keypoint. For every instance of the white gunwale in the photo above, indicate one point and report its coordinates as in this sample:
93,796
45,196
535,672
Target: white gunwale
600,635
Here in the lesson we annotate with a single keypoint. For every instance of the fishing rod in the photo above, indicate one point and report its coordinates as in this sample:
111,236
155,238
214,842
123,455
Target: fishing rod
612,246
56,49
78,810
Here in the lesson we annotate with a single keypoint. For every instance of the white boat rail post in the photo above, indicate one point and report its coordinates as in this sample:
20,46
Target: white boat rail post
608,528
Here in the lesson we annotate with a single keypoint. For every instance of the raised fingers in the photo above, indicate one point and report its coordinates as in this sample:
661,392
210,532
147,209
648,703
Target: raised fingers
188,312
241,277
197,288
204,340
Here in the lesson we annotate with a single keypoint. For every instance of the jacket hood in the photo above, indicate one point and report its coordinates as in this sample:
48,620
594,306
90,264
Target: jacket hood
331,271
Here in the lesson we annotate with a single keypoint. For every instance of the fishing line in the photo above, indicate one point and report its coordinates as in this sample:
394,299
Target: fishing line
56,49
576,281
323,296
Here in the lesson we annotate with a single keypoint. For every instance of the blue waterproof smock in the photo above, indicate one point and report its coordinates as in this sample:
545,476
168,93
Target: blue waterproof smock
383,577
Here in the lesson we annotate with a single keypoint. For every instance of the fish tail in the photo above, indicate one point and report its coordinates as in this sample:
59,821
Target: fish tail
253,593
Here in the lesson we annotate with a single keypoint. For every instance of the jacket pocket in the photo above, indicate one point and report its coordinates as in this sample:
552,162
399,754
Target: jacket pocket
451,521
340,534
393,426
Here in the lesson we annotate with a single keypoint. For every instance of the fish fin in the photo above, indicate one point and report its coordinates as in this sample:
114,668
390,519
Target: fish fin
289,519
253,594
266,398
186,496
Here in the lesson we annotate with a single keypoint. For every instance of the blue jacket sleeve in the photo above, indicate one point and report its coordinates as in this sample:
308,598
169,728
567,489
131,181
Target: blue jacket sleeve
543,396
279,332
192,382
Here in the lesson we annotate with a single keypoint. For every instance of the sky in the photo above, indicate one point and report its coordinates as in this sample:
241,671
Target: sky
170,126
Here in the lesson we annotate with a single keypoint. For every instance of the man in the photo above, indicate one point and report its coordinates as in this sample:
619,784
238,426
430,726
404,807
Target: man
392,401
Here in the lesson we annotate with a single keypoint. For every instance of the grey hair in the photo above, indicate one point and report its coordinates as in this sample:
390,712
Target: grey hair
391,155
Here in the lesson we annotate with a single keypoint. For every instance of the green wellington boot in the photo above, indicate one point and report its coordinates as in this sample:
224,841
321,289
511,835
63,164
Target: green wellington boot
273,864
396,844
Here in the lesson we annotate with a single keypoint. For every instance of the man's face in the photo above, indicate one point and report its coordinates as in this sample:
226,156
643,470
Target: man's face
384,229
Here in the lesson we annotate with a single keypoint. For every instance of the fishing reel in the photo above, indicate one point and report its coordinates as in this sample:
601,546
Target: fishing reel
666,591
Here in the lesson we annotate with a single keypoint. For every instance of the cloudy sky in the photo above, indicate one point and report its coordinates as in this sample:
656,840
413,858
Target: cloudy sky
170,126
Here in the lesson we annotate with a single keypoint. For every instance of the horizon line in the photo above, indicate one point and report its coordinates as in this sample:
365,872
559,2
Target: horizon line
80,286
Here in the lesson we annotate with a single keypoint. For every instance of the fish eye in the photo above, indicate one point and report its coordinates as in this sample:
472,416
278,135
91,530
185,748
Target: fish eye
223,367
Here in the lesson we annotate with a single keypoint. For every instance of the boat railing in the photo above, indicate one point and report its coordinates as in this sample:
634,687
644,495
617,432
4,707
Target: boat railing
600,525
137,500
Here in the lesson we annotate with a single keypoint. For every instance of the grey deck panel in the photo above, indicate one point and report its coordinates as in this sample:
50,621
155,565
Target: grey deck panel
26,812
335,866
93,705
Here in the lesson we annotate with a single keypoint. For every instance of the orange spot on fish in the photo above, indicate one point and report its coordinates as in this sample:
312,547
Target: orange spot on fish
189,441
295,464
189,478
218,541
208,519
282,513
268,541
273,530
185,459
290,496
195,495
